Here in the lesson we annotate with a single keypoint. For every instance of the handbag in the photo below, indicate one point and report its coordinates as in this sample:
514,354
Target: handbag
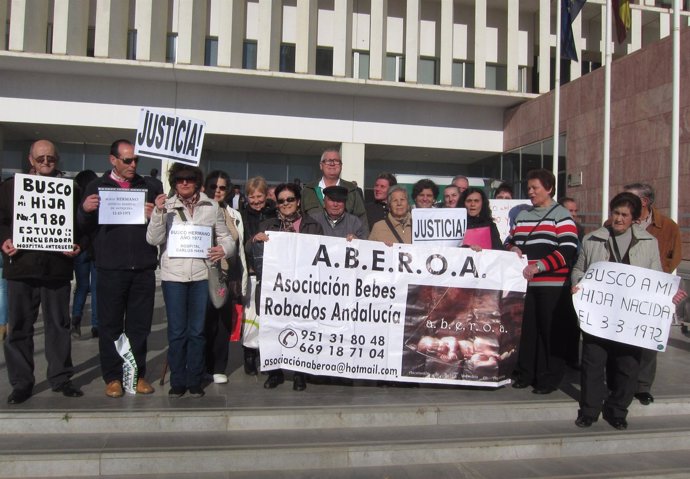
250,320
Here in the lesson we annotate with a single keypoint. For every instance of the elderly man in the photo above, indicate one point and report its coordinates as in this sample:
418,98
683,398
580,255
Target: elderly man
378,209
126,266
312,194
461,182
667,234
36,278
334,220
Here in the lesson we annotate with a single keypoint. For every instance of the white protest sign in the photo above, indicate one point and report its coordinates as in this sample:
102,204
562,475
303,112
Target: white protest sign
121,206
408,313
503,211
189,241
627,304
43,213
439,226
169,137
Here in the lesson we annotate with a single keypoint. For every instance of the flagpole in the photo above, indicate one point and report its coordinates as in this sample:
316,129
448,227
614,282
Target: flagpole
607,116
557,95
675,116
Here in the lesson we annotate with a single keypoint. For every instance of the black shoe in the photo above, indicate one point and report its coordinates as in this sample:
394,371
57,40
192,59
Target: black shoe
617,422
645,398
273,381
196,392
584,421
68,390
299,383
176,392
94,333
543,390
250,363
520,384
18,396
76,331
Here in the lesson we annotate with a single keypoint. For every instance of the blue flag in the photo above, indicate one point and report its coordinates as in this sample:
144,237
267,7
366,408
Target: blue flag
569,11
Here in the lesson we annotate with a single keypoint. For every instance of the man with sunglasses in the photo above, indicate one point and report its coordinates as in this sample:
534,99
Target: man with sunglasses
36,277
331,166
126,266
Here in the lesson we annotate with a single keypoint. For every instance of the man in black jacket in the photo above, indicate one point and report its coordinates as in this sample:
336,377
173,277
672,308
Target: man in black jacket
126,266
36,277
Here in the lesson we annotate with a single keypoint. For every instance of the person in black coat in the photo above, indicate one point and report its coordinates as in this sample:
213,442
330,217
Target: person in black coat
479,214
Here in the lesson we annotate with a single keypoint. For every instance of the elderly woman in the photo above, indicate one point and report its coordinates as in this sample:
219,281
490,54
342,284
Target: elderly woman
397,226
259,208
547,234
219,322
476,203
621,242
289,219
424,193
184,271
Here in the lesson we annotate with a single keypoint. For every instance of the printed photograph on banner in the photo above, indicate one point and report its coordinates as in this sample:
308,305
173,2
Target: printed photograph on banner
504,213
461,333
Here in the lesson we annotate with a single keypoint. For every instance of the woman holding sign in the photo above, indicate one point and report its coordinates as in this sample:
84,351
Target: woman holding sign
191,231
609,368
481,229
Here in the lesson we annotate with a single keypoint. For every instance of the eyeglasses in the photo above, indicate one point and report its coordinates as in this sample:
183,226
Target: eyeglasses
332,162
128,161
50,159
221,187
184,179
281,201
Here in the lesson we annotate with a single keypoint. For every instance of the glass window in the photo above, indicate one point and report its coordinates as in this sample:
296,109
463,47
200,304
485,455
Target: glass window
49,38
90,41
457,76
360,65
496,77
211,52
287,58
249,55
469,75
324,61
131,45
428,71
171,48
395,68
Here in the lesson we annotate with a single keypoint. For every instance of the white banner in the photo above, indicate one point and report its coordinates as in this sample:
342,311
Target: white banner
408,313
627,304
439,226
169,137
121,206
189,241
505,211
43,213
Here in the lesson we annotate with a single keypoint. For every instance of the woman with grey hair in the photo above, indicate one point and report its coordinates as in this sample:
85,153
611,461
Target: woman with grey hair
396,227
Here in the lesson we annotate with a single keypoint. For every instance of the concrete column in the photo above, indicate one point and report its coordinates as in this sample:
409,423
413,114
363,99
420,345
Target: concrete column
377,39
28,26
544,62
576,67
412,14
353,162
513,45
602,43
446,57
70,27
635,32
3,21
112,18
342,38
480,44
232,26
664,25
191,32
151,23
305,47
269,38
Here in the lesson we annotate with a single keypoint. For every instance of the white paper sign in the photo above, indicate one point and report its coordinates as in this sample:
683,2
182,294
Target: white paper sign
439,226
409,313
505,211
627,304
121,206
166,136
189,241
43,213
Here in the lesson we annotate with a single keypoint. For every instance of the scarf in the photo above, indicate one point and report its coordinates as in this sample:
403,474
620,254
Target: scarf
190,203
287,222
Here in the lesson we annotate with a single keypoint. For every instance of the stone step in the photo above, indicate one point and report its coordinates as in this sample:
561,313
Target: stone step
109,453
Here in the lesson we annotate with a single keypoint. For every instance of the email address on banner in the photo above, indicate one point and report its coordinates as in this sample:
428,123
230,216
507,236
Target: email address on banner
340,368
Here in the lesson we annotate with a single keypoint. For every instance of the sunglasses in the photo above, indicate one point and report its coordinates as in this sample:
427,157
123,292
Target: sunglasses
129,161
216,187
50,159
332,162
185,179
281,201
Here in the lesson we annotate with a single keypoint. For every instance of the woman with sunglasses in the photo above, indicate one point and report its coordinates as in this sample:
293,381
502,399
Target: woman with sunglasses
219,322
184,273
289,219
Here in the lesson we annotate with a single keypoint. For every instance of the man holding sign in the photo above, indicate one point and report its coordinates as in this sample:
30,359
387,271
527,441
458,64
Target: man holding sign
610,356
126,263
38,269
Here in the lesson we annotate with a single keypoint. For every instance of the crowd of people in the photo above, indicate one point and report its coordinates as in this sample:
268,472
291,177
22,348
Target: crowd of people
117,263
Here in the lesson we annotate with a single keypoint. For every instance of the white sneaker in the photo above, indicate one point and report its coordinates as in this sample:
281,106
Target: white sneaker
220,378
